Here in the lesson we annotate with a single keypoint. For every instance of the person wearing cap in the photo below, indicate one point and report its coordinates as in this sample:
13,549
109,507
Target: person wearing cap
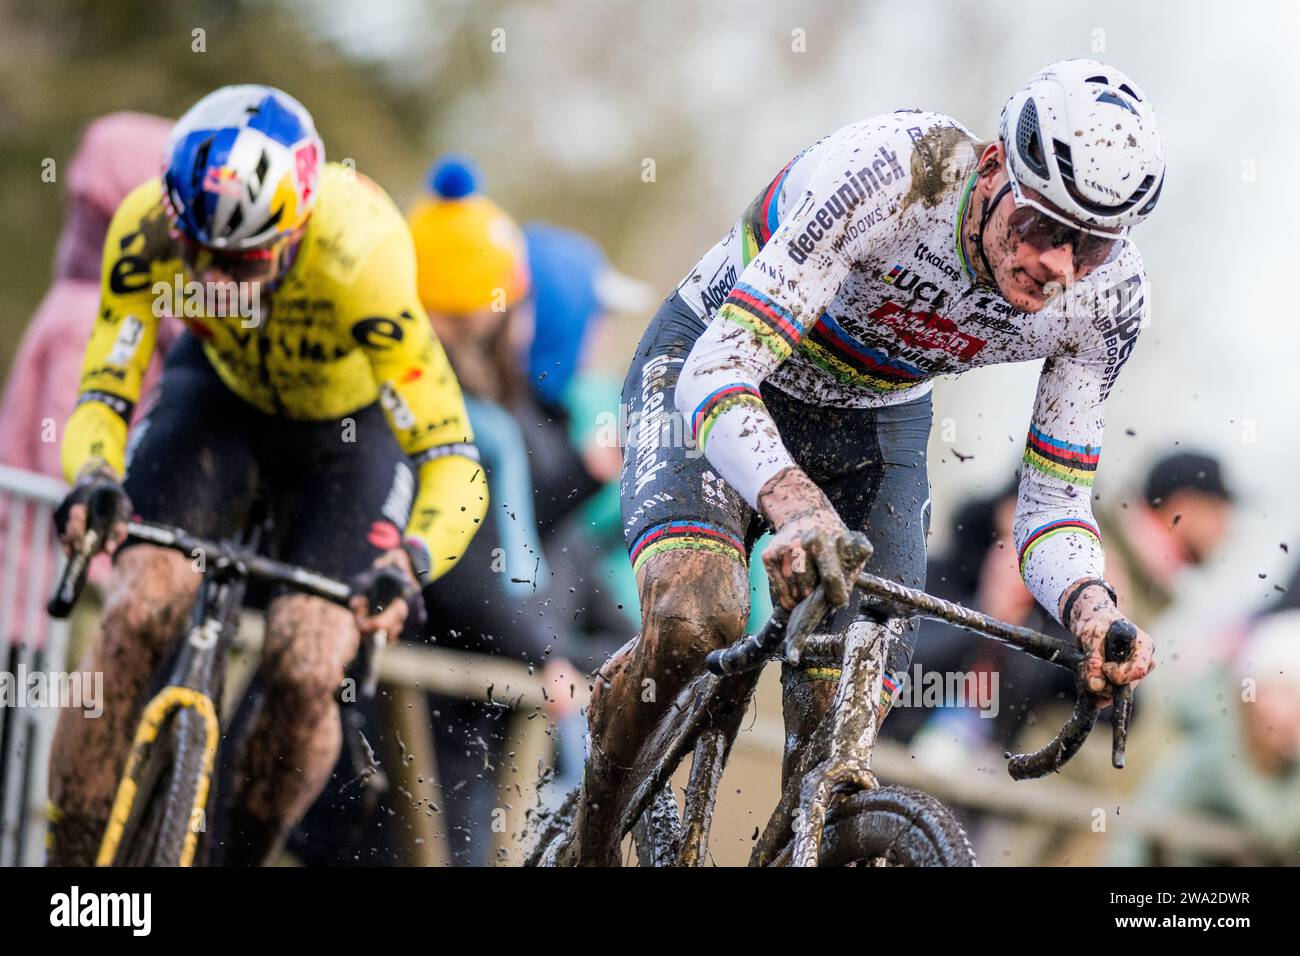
473,279
1178,521
1183,517
475,284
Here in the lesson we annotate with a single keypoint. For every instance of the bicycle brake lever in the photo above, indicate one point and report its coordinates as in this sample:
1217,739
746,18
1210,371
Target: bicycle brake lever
1120,641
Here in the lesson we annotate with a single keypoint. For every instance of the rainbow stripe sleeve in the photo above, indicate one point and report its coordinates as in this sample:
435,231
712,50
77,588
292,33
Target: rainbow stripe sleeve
717,402
1044,533
1055,554
1056,534
771,324
718,390
1073,464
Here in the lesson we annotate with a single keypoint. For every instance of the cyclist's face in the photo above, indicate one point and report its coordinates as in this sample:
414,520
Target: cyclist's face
1034,256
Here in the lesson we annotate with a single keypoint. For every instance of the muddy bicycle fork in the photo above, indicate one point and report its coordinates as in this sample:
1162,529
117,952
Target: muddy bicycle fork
855,716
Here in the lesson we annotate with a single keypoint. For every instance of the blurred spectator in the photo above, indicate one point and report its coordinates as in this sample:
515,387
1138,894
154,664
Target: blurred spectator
586,594
475,284
1241,762
574,290
117,153
1182,520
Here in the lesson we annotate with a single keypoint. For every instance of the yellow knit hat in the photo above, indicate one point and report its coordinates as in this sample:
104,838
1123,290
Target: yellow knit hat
470,252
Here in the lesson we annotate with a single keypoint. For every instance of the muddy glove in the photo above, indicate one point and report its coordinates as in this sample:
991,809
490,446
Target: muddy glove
1091,611
387,594
100,489
812,544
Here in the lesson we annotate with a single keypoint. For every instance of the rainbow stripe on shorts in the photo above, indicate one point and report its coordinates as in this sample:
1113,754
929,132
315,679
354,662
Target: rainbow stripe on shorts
675,535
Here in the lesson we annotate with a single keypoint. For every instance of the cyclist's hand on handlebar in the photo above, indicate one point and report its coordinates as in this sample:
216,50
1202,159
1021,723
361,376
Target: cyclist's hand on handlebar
1093,616
96,503
386,595
812,544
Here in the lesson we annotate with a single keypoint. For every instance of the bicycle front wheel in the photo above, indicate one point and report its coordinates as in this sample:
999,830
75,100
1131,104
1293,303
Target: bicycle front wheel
162,830
894,826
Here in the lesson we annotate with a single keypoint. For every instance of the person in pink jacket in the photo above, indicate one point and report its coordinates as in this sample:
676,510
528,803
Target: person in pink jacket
116,154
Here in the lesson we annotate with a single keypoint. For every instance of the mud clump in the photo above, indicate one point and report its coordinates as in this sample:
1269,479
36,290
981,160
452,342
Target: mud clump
940,158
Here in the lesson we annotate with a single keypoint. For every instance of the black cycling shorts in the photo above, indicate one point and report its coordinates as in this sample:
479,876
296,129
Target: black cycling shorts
339,491
870,462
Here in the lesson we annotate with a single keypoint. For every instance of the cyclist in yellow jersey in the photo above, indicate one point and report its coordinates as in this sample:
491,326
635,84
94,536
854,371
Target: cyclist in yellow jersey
308,377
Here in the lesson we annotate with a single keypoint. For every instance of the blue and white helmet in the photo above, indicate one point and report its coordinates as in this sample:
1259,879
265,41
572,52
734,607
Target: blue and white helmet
243,166
1083,135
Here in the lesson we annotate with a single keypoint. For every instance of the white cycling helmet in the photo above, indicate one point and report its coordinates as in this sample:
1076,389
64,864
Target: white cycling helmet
1085,137
243,166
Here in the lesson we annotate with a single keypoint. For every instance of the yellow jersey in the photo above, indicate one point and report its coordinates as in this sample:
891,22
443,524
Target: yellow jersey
341,329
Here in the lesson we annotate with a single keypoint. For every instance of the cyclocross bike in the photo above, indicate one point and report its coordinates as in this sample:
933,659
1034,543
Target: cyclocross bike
163,801
833,811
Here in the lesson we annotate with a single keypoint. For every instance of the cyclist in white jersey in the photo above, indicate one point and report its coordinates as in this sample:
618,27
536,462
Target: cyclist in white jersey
798,357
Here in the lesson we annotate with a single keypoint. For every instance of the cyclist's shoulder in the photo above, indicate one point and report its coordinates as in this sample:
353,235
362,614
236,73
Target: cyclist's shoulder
140,201
352,231
909,131
352,201
912,151
139,237
144,210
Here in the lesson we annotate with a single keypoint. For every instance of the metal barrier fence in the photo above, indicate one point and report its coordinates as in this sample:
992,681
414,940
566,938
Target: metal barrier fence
31,644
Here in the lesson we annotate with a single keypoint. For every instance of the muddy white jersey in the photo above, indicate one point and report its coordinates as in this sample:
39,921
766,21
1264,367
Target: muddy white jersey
844,284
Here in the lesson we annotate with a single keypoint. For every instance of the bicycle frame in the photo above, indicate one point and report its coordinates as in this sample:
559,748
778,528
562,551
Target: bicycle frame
194,683
836,757
195,678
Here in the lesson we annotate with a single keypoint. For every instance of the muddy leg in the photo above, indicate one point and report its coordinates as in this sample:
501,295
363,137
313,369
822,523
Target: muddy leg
298,735
692,602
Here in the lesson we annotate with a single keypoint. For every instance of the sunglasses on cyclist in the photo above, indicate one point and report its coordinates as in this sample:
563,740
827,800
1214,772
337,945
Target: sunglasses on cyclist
239,265
1044,228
